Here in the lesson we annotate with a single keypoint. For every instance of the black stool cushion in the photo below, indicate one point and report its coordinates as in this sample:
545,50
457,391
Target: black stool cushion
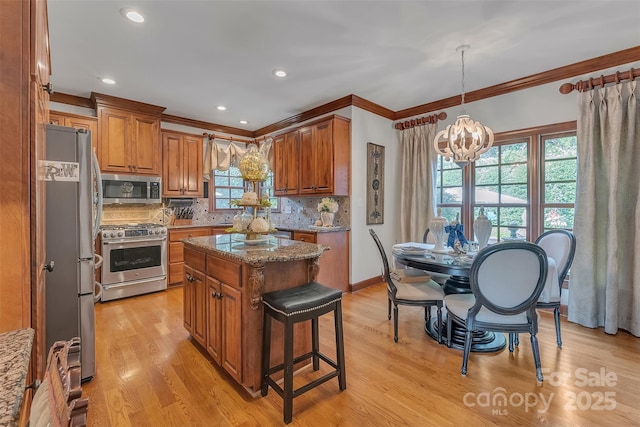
301,298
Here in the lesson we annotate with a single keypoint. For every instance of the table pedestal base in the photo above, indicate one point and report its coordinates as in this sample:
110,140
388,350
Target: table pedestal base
482,342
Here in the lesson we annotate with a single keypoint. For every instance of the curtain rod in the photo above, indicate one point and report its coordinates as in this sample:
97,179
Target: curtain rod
227,138
408,124
585,85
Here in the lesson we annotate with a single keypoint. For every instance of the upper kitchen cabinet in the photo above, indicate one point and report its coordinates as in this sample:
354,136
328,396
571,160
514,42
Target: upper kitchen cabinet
285,168
182,165
79,122
129,135
314,159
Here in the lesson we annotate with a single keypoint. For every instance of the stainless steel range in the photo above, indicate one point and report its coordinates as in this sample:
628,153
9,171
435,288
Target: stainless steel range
135,259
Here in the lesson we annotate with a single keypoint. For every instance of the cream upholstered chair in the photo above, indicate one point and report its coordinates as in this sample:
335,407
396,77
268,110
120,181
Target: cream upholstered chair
560,245
506,281
425,294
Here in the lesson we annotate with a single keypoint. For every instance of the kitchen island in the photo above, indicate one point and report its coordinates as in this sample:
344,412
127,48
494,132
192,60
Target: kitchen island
224,279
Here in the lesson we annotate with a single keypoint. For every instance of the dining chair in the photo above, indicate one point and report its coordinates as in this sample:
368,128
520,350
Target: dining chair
506,281
425,294
560,245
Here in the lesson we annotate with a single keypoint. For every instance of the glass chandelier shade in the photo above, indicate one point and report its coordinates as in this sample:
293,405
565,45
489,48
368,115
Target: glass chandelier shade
466,139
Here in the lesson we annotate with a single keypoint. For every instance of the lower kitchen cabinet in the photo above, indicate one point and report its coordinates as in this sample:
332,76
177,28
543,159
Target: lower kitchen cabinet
224,321
334,263
176,255
194,304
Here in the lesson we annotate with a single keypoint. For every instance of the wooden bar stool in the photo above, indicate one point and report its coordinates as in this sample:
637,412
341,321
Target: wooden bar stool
290,306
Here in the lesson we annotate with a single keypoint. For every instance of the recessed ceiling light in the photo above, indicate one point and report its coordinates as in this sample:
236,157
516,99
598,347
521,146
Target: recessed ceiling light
243,122
132,15
108,81
221,107
280,73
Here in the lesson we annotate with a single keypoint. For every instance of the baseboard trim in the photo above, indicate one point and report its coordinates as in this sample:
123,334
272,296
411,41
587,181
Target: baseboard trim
365,283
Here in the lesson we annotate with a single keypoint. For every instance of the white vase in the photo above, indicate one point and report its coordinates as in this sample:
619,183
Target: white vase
327,219
436,227
482,229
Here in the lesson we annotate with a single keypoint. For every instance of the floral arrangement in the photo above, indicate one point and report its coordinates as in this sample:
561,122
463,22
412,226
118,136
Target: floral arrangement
328,204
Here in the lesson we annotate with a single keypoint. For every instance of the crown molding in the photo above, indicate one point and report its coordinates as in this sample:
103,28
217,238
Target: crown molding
168,118
579,68
102,100
65,98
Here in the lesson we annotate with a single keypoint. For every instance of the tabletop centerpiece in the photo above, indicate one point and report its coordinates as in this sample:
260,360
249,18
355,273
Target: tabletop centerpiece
327,208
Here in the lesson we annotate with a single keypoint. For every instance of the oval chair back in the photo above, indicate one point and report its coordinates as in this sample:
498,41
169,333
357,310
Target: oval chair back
385,262
561,246
512,290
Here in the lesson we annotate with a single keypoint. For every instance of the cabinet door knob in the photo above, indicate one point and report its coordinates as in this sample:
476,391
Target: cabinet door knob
48,88
189,278
49,266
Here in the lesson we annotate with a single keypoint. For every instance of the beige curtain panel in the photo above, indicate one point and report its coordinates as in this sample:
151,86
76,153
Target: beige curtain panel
605,276
417,181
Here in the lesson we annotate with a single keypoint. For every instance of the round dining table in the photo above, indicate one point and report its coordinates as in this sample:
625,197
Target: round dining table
458,267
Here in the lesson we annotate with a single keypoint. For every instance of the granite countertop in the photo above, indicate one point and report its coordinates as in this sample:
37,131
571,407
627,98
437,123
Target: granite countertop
15,353
281,227
274,250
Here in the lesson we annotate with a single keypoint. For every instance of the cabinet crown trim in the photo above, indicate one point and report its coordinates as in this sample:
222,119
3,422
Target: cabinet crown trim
102,100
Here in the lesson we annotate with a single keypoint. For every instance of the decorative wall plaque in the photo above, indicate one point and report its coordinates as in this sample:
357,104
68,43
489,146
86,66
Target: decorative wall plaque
375,184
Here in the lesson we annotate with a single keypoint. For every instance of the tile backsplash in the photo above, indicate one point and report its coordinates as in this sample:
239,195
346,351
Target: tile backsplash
294,212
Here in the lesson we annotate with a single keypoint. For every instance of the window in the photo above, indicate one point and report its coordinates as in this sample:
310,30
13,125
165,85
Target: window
228,185
559,171
526,183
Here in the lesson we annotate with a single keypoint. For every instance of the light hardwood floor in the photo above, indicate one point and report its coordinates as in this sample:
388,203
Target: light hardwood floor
150,373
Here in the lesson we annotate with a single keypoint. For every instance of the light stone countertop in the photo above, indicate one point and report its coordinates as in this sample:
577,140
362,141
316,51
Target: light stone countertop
15,353
281,227
274,250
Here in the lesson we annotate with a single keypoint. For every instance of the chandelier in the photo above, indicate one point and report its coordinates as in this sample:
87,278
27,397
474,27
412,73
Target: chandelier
466,139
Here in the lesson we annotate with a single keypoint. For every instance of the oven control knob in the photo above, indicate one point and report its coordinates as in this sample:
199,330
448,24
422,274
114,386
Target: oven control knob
120,234
163,231
113,234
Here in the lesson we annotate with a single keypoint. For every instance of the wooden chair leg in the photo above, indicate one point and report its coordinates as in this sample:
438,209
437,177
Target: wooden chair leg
439,324
389,309
342,377
556,315
288,372
395,322
465,356
315,343
536,356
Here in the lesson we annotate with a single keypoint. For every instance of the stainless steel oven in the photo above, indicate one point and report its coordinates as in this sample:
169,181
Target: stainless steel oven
135,260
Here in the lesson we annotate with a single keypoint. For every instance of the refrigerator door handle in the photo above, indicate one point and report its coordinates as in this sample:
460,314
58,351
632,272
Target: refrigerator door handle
99,201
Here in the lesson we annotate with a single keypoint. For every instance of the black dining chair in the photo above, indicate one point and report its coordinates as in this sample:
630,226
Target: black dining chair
425,294
506,281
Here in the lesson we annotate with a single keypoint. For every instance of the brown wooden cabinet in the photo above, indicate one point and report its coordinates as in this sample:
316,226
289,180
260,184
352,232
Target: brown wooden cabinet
79,122
314,159
334,263
181,165
286,159
176,252
233,319
224,321
129,135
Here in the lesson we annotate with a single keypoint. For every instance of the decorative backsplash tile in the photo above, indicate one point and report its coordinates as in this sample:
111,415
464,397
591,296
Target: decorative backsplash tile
294,211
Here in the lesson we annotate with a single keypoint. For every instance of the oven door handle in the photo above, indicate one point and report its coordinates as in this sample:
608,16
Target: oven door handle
120,242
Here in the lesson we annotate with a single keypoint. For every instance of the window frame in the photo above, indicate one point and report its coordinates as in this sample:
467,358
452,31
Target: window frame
535,138
245,186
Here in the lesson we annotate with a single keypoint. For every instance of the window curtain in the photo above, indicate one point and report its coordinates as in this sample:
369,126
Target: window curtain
417,181
605,275
220,154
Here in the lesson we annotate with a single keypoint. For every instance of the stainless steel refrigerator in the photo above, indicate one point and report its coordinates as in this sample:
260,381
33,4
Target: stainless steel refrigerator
70,213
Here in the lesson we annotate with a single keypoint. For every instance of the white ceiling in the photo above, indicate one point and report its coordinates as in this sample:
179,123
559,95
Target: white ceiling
191,56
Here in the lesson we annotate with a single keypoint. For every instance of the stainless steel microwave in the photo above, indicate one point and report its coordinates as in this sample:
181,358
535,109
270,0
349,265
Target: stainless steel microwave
131,189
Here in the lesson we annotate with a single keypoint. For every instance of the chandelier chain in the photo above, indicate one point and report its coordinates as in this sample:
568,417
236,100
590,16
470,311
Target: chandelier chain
462,105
